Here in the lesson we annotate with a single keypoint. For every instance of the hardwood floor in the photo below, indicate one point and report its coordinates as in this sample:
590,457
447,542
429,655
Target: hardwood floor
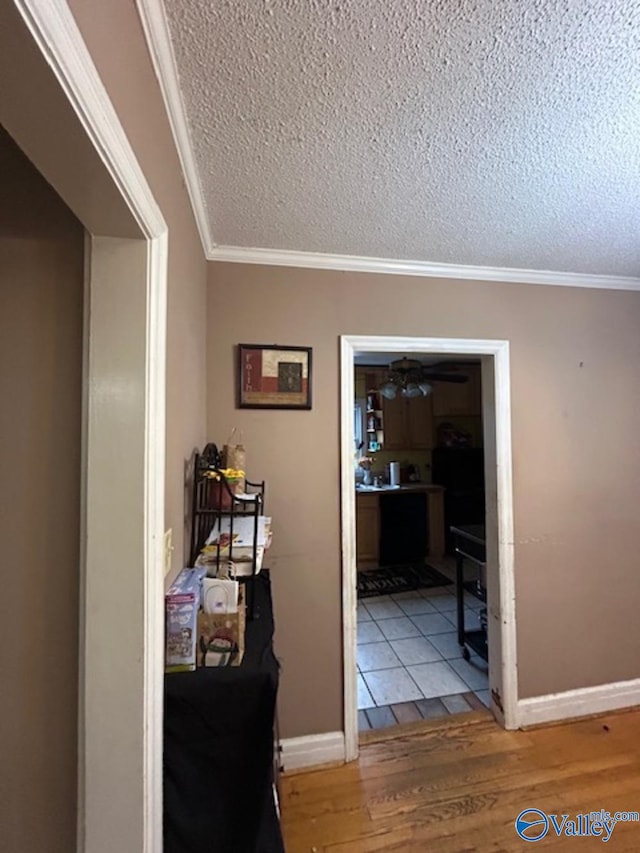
456,785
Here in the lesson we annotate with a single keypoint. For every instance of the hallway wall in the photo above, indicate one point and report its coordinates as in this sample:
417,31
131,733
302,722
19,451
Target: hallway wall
41,304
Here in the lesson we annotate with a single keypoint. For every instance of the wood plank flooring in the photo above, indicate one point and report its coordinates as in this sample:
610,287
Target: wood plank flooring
456,785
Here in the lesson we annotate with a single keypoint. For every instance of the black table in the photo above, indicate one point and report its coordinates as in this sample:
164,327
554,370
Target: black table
469,543
219,748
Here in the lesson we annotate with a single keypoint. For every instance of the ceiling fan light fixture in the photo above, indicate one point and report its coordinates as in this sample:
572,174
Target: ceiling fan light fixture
388,390
411,390
412,379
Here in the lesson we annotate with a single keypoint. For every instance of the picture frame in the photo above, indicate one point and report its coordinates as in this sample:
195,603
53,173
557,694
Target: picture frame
274,377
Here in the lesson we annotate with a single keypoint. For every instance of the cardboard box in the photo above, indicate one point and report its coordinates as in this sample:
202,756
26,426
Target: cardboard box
221,636
182,602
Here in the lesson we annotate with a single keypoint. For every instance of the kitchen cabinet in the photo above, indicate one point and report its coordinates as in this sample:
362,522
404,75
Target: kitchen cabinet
408,423
459,399
367,530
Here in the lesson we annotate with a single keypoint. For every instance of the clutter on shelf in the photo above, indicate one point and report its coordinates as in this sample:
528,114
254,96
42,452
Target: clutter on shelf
205,621
228,520
182,603
450,435
208,603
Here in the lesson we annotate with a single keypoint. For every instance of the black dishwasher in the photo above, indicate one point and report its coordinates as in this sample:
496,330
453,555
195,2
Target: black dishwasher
403,528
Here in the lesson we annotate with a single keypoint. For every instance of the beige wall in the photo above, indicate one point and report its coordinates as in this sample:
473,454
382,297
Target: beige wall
575,360
113,34
41,294
36,112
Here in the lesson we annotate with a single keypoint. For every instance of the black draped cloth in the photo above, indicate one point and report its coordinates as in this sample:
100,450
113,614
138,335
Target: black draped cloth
218,748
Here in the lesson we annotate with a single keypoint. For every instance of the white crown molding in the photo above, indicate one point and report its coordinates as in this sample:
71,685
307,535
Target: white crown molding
582,702
312,750
158,38
391,266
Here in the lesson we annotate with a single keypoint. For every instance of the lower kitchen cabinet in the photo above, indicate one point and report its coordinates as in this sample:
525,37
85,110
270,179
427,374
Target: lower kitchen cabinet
368,522
367,530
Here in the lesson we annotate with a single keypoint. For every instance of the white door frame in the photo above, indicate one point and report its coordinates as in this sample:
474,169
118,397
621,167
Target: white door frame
498,350
120,756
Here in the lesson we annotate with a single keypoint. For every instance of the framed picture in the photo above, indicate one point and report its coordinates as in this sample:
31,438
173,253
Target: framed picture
274,377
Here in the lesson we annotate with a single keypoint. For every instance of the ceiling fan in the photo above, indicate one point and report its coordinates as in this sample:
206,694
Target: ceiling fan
412,378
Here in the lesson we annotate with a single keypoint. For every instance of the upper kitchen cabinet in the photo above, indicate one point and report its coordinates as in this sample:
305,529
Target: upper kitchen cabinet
419,420
458,399
408,423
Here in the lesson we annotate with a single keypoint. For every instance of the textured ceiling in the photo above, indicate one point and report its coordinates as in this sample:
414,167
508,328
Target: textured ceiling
491,132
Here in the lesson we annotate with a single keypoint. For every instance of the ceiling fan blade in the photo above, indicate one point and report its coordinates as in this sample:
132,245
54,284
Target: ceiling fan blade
445,377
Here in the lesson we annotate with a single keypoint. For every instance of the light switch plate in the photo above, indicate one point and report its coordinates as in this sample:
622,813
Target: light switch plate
168,550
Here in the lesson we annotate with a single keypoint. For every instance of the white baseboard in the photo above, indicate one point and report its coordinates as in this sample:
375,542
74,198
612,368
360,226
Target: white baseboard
312,750
578,703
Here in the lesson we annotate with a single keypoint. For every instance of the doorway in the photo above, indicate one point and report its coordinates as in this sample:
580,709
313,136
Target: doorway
53,89
424,417
494,359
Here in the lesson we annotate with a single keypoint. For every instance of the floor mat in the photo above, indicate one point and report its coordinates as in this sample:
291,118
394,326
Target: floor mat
398,579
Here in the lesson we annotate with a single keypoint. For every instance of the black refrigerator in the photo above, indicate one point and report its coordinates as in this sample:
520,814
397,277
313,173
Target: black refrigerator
461,471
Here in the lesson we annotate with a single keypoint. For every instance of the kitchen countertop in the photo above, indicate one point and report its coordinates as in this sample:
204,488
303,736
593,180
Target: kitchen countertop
403,488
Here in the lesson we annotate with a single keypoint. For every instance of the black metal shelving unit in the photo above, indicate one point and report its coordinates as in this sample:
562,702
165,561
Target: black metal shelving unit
469,545
214,499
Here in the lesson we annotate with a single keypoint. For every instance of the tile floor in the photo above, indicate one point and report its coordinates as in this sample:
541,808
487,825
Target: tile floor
410,665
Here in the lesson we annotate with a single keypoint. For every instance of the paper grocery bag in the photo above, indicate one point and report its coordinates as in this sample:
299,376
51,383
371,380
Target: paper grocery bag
234,456
220,640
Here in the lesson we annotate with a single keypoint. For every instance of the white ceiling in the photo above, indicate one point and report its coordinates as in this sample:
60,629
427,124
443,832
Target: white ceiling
490,133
